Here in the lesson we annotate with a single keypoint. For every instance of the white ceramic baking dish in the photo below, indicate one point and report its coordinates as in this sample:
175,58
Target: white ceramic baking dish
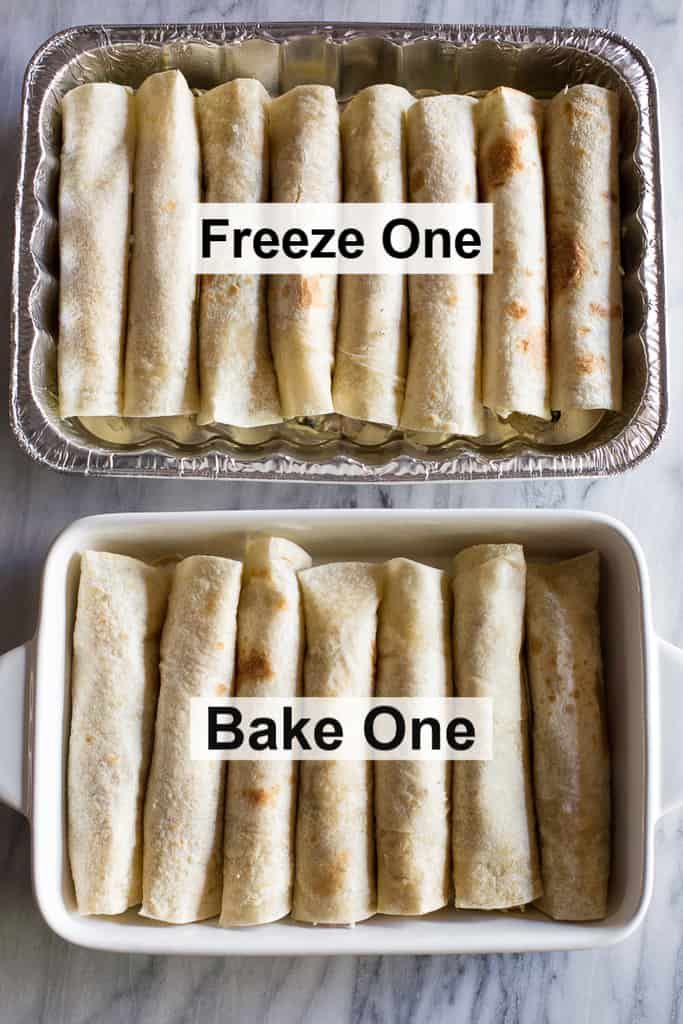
645,696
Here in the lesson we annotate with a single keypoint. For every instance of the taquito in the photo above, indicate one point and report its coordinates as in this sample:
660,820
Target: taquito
260,808
571,756
114,685
443,388
305,154
413,798
184,806
237,377
495,855
161,352
371,354
516,361
95,183
586,315
335,878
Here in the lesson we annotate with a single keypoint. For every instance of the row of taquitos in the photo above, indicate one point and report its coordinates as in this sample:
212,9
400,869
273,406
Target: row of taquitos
345,840
296,349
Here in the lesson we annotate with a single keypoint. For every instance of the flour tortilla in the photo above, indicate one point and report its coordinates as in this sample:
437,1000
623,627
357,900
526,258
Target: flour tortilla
184,807
515,307
443,389
571,755
335,879
161,352
413,798
495,855
586,310
260,809
95,182
371,354
114,685
237,376
305,151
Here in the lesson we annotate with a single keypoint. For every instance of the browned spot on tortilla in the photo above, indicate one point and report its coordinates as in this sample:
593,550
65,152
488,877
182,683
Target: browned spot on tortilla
259,797
504,160
327,877
574,112
233,289
534,346
417,181
604,312
89,739
254,665
261,573
451,299
274,599
517,310
584,330
568,261
220,646
587,363
310,292
222,690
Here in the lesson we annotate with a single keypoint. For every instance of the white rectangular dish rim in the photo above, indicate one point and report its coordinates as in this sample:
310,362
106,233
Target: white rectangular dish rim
645,671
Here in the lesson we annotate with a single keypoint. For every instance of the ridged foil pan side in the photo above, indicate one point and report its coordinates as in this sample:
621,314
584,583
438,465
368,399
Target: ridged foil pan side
460,58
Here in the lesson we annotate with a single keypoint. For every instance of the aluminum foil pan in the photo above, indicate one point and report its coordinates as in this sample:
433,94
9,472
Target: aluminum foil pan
431,58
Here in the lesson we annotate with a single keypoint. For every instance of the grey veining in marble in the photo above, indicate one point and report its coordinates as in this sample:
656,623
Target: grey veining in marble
41,977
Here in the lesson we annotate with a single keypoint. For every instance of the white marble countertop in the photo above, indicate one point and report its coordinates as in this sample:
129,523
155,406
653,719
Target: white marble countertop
44,979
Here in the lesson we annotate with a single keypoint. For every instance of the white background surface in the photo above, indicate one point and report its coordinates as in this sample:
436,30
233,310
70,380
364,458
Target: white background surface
43,979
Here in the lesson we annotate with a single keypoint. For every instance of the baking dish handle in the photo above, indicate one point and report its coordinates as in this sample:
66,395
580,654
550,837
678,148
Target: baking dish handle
670,720
15,670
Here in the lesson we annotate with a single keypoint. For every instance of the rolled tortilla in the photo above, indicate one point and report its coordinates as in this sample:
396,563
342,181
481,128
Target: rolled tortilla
371,354
161,352
260,808
495,856
305,152
95,182
413,798
515,307
571,756
443,389
586,316
335,881
114,684
236,370
182,863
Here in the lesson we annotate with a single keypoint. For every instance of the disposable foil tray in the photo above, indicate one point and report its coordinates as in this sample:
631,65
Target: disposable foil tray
424,59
